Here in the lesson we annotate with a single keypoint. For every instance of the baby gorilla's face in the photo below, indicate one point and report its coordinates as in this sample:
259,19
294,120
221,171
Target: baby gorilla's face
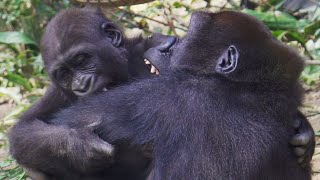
83,52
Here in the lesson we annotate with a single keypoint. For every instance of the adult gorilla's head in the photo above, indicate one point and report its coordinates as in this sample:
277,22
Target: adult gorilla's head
231,44
83,52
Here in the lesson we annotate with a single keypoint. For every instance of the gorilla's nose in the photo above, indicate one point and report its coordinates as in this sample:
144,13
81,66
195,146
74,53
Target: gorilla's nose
164,47
83,85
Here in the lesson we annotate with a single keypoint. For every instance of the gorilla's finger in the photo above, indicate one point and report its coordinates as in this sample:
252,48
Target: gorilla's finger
307,157
308,153
300,160
300,139
296,123
102,146
299,151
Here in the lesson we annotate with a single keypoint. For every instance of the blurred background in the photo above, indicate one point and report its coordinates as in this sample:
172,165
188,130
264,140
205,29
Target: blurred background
23,79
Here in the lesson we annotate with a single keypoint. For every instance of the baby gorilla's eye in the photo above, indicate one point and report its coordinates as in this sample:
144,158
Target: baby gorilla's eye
81,59
62,73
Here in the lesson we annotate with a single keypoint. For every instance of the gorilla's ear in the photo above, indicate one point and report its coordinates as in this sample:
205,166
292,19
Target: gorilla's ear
113,33
228,61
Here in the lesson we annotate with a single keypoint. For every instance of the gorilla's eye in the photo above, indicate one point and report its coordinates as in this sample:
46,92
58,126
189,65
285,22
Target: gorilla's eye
61,73
81,59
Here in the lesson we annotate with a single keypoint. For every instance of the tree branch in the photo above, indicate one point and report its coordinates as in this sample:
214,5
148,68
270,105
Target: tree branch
312,62
154,20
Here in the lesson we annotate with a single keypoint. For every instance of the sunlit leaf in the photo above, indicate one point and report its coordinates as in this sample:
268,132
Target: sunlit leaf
15,38
278,20
312,28
12,92
17,79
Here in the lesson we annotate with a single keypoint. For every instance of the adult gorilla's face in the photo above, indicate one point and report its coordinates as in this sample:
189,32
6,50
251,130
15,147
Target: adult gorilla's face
159,57
84,58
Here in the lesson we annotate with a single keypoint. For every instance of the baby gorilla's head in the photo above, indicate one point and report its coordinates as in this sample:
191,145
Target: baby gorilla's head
83,52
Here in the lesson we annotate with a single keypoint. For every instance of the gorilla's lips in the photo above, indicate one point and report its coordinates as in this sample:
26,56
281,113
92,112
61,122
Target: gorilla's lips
158,58
153,69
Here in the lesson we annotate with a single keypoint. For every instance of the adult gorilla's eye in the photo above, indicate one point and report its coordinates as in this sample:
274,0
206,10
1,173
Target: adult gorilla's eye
112,33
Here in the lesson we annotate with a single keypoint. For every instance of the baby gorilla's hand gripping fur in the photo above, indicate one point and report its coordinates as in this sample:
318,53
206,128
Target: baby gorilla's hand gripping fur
80,147
303,142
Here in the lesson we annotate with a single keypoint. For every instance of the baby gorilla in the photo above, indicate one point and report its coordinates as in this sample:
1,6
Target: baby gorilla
219,113
84,53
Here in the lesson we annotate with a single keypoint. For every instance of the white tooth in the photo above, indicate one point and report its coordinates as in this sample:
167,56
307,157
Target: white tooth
157,72
153,69
147,62
104,89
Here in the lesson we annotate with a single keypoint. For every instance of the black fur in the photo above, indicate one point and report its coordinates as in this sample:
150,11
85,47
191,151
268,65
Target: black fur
204,123
54,150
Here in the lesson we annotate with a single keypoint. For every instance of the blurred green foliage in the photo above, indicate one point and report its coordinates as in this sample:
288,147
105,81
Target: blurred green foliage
22,76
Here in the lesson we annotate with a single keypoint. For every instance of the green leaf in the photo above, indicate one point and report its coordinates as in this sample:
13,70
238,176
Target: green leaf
16,38
279,34
296,37
4,164
15,78
278,20
312,28
177,4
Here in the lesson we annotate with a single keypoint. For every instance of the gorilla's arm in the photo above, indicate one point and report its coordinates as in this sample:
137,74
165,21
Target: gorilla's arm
32,139
53,100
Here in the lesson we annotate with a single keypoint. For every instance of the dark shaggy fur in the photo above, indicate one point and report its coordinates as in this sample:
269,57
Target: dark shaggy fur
108,57
220,113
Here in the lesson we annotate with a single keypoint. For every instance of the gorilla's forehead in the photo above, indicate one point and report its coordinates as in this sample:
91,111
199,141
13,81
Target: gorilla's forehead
77,25
71,27
227,25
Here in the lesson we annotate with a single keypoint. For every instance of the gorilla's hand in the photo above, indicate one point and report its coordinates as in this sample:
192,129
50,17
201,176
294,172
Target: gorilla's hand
303,141
87,151
35,174
159,56
48,147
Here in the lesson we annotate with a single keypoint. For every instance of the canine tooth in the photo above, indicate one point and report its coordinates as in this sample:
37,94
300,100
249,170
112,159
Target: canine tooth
157,72
147,62
153,69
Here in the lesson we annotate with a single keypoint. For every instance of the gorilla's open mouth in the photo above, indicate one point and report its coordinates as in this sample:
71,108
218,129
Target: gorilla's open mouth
152,68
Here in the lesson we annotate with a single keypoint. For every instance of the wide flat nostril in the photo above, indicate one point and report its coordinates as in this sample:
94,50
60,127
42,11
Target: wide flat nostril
165,47
81,86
